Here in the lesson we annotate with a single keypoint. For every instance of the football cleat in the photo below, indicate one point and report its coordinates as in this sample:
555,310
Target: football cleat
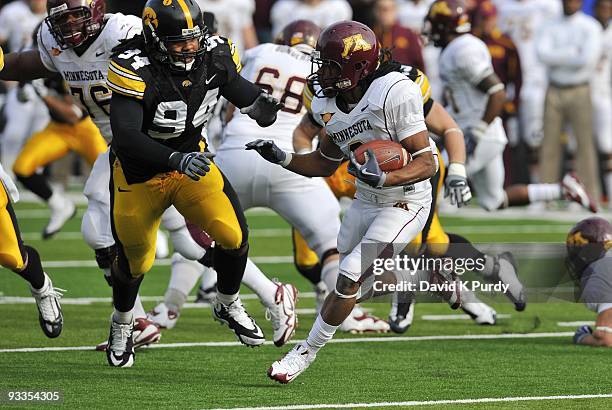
453,294
62,209
282,314
120,349
505,271
145,333
49,309
292,364
574,190
163,317
361,322
207,295
401,316
321,293
481,313
235,316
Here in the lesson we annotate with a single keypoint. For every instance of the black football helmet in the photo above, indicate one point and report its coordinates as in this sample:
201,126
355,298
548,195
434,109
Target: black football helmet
165,22
586,242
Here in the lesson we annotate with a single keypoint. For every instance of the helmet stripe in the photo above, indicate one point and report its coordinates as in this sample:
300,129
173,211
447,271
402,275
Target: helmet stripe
186,12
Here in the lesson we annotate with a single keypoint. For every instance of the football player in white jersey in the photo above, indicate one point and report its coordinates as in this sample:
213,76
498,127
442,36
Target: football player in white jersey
475,97
362,97
24,112
601,87
77,40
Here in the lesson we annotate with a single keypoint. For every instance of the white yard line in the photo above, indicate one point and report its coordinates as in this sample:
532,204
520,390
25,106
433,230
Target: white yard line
576,324
458,317
424,403
378,339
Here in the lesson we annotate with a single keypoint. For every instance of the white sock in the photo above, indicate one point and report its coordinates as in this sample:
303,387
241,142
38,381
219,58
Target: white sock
184,274
320,334
45,285
123,317
209,278
138,309
329,274
226,299
56,200
174,299
544,192
259,283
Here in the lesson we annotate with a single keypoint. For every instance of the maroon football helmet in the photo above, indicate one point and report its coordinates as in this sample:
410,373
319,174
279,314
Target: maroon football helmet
301,34
586,242
346,53
72,22
446,17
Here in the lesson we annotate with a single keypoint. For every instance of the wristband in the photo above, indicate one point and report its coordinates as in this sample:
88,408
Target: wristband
287,160
457,168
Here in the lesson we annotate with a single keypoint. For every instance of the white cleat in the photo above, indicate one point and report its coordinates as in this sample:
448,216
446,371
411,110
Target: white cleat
361,322
62,209
282,314
237,319
163,317
120,351
401,316
144,333
49,309
505,271
481,313
292,364
574,190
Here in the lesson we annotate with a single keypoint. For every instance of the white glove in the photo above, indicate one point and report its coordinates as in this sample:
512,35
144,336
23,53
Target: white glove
456,185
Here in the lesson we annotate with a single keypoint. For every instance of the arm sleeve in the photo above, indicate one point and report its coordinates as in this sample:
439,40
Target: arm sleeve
240,92
403,110
126,119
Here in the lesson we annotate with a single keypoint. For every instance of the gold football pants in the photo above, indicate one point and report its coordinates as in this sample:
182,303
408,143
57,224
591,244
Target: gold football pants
342,184
209,203
55,141
11,246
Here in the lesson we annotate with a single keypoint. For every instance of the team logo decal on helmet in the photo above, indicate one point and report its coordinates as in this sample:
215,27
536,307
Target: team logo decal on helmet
354,43
149,17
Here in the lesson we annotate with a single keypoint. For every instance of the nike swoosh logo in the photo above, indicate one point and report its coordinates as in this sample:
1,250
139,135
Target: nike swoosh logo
210,79
123,190
364,108
115,361
99,54
258,333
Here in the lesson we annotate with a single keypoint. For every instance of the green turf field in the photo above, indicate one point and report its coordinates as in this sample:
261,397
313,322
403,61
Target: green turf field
525,355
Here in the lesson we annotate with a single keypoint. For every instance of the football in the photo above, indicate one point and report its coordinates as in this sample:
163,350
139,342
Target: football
390,155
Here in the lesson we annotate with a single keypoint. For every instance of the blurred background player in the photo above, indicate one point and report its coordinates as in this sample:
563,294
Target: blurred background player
475,98
405,43
24,112
601,94
521,20
507,66
589,262
234,20
320,12
570,47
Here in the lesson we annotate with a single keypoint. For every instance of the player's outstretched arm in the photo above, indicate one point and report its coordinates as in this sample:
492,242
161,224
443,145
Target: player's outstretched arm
422,166
23,66
320,163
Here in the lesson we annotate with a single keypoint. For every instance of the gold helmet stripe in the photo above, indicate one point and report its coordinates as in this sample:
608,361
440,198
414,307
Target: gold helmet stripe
186,12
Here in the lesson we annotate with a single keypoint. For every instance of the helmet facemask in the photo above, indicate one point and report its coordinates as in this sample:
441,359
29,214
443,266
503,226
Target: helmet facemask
182,61
71,27
328,74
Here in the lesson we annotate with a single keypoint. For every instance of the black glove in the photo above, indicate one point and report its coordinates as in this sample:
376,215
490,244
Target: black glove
192,164
456,185
263,110
369,172
268,150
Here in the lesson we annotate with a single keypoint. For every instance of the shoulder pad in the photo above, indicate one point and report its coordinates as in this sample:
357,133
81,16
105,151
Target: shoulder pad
125,73
119,27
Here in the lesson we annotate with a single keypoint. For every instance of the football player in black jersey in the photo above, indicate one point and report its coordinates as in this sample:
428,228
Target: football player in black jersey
165,84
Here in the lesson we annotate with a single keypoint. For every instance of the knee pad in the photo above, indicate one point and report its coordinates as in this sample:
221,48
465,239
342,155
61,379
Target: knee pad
11,262
227,237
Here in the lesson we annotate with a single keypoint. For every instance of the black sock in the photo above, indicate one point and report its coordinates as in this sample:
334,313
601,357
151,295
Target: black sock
465,249
37,184
312,273
230,265
125,293
33,271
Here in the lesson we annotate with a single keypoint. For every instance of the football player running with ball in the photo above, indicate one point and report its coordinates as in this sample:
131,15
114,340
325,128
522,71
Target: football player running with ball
361,97
165,83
